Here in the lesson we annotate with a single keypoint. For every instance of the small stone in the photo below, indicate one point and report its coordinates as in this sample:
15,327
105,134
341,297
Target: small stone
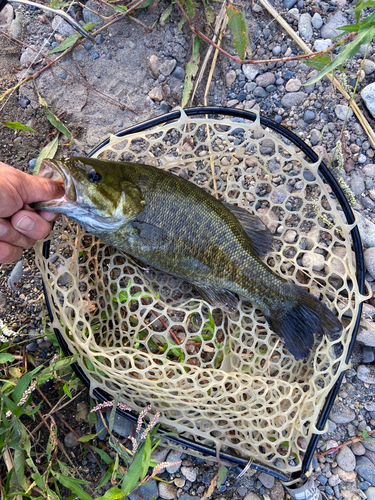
82,414
156,94
293,85
369,258
179,482
99,39
366,373
232,102
61,73
368,96
146,491
88,15
257,8
322,44
366,469
369,444
167,491
358,449
305,26
334,480
309,116
260,92
230,78
32,347
366,230
368,355
70,441
267,480
346,459
368,66
6,16
87,45
62,27
167,67
342,111
265,79
293,99
190,473
179,73
370,493
251,496
288,4
174,456
314,260
95,55
366,336
276,51
329,30
250,71
357,183
341,414
317,21
294,14
290,236
241,96
277,491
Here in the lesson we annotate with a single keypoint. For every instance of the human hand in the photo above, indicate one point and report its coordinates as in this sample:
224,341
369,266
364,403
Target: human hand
20,225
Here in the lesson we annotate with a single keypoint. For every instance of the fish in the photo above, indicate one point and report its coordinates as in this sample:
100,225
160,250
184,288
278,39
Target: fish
170,224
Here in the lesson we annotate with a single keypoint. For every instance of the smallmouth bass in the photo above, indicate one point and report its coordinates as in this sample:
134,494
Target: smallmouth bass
172,225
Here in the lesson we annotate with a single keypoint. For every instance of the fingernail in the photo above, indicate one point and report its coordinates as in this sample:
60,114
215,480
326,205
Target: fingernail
25,224
3,229
48,216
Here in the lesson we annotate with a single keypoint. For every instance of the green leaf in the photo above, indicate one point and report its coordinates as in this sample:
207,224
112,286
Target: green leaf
365,434
238,27
349,28
5,357
365,35
103,455
132,477
24,383
190,6
209,13
107,476
48,151
90,26
19,126
191,70
112,494
166,14
146,456
69,42
145,4
119,8
319,62
19,468
54,120
73,485
360,6
181,23
222,474
88,437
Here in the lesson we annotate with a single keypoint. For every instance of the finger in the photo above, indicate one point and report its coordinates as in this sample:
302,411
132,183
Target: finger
30,224
49,216
42,189
9,234
9,253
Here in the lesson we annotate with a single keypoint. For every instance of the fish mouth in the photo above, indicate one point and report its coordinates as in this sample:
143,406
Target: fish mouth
59,172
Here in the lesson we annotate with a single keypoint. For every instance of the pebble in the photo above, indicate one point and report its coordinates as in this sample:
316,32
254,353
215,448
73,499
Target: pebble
230,78
309,116
346,459
357,183
329,30
294,14
6,15
167,67
341,414
267,480
334,480
305,26
358,449
178,73
88,16
293,99
288,4
317,21
99,39
190,473
167,491
146,491
265,79
32,347
366,373
174,456
368,66
293,85
251,496
15,28
156,94
277,491
290,236
260,92
250,71
276,51
368,96
23,102
369,444
370,493
70,441
341,111
95,55
322,44
62,27
367,231
368,354
366,469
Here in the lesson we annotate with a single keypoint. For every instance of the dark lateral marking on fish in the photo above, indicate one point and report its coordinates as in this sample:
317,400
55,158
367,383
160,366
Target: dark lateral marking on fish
170,224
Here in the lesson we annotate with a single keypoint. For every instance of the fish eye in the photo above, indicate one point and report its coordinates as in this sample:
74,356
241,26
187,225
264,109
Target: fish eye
94,177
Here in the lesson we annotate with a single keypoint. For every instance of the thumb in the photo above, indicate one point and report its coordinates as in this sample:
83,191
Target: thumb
42,189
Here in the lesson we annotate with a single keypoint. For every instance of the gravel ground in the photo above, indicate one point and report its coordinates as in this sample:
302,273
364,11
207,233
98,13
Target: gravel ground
132,75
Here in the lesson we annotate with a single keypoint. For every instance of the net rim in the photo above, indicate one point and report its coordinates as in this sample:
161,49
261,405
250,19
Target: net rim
360,276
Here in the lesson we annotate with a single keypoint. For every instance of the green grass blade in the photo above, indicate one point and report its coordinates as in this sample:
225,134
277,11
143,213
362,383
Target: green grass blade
190,72
48,151
18,126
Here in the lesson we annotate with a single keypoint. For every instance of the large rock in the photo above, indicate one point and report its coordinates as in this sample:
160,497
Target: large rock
368,96
366,469
329,30
341,414
346,459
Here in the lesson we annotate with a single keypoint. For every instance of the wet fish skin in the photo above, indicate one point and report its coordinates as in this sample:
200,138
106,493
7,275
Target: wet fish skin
171,224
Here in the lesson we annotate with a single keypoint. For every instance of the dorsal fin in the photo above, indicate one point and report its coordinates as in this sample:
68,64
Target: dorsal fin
261,238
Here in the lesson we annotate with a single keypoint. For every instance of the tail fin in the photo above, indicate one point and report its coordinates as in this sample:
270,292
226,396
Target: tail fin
299,318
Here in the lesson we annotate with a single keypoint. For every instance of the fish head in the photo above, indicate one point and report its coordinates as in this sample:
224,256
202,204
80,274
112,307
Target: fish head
94,195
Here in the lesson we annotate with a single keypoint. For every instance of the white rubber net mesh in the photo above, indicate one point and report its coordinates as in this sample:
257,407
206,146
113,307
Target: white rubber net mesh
223,380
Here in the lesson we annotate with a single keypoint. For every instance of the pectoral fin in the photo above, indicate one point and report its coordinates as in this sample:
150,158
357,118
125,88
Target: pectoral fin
261,238
224,299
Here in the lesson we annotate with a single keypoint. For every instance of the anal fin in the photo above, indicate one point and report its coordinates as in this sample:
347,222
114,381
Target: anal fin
261,238
224,299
